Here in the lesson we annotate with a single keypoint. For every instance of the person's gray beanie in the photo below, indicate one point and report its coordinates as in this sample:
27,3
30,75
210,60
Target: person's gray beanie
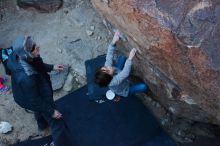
23,46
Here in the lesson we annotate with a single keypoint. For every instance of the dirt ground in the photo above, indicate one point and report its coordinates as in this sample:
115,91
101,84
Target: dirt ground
63,38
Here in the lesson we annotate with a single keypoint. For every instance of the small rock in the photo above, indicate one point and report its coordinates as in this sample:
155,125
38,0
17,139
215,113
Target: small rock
99,38
59,50
40,5
76,40
148,99
58,78
17,8
164,121
179,133
154,103
186,98
5,127
89,32
190,137
52,144
68,83
92,27
172,110
105,23
66,11
187,139
157,105
106,1
78,22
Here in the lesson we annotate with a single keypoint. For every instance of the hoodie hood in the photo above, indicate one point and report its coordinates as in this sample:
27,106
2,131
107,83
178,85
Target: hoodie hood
22,46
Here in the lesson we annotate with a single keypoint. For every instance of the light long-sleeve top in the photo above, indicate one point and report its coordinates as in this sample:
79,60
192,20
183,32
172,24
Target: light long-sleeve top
120,83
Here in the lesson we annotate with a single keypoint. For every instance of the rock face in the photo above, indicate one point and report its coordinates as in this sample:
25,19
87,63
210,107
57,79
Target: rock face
179,51
44,6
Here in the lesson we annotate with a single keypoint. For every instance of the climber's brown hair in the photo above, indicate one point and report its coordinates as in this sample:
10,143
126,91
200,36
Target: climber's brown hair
102,78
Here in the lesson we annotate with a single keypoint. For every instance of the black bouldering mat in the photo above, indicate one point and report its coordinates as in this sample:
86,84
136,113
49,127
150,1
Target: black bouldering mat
126,123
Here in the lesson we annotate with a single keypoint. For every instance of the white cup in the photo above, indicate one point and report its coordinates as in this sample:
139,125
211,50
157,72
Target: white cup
110,95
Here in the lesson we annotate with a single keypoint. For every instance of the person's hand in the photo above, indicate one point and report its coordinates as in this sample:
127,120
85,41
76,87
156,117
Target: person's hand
58,67
57,115
116,37
132,53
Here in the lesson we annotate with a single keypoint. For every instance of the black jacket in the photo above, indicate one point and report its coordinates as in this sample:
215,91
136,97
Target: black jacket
31,92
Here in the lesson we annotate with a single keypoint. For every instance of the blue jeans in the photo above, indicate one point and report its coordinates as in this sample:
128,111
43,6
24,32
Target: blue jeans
59,130
120,62
136,88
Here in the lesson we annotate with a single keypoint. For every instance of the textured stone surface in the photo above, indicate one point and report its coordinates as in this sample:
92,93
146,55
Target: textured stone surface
5,127
68,83
44,6
179,51
58,78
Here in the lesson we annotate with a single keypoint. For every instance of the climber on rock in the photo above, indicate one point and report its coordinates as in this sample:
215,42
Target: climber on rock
116,77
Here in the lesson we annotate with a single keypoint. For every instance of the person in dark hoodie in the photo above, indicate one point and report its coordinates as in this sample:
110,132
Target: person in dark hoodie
32,89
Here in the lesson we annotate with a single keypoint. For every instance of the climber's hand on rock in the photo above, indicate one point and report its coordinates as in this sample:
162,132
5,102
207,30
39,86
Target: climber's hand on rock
116,37
132,53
